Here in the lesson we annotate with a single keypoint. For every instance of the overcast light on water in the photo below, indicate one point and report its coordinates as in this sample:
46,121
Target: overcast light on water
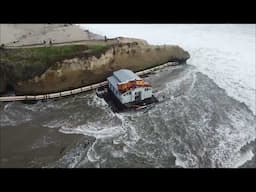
205,117
225,52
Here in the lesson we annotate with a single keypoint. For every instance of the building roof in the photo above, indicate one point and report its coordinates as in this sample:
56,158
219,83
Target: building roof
124,75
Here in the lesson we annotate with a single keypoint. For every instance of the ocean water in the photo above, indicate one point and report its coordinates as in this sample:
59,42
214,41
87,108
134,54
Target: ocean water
206,117
224,52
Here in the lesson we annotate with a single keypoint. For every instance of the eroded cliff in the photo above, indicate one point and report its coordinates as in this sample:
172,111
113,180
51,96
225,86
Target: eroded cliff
45,70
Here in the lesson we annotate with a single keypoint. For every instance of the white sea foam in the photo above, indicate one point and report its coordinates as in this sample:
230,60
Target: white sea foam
118,153
97,102
227,58
11,115
178,161
232,139
243,158
224,52
95,129
92,154
56,123
92,130
6,121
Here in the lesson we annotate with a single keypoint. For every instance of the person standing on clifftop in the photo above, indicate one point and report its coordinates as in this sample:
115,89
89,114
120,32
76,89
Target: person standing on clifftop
105,37
118,40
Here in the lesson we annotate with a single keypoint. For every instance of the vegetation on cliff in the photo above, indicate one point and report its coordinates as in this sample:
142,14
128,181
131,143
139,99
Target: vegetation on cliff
25,63
58,68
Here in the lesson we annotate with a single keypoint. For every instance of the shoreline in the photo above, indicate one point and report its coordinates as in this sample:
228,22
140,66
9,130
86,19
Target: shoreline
78,90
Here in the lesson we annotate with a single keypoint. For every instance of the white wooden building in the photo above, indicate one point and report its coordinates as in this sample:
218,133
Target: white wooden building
129,87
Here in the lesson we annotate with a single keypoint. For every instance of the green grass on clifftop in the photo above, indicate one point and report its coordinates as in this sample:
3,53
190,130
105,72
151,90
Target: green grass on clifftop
28,62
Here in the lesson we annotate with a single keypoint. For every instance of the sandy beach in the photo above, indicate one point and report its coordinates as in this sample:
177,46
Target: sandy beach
25,34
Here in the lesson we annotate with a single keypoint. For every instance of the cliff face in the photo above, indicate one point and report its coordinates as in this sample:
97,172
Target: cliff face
83,69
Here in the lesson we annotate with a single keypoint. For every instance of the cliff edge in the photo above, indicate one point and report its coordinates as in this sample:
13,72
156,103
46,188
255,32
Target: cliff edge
52,68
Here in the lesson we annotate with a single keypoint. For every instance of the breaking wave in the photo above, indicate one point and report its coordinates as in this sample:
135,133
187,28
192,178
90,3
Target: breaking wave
190,127
11,115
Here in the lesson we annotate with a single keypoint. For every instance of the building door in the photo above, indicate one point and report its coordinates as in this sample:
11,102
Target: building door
137,96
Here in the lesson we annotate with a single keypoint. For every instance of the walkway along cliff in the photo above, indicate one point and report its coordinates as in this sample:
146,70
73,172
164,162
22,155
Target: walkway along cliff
78,90
44,70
